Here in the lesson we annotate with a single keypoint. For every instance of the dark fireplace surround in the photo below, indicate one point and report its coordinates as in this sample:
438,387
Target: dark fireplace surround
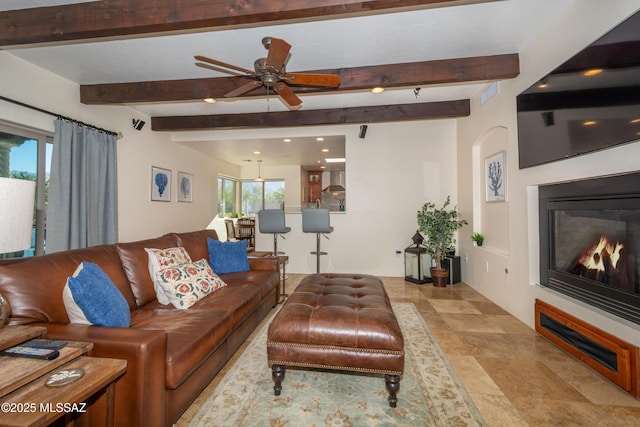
590,242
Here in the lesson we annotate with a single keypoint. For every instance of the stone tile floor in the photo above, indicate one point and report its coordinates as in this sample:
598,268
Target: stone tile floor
515,376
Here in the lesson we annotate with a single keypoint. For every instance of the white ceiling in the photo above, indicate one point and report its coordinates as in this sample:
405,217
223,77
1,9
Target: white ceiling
497,27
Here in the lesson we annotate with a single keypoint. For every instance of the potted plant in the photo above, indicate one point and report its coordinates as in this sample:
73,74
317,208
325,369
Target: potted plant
478,238
438,226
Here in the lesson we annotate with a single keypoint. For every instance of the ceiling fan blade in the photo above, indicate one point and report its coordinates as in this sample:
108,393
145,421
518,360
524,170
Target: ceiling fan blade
219,69
306,79
278,51
287,95
243,89
224,64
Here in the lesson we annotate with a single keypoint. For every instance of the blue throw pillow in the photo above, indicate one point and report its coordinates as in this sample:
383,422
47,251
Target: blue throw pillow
228,257
90,297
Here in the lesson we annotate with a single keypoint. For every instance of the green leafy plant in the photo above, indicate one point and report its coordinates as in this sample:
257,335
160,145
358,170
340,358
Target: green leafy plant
438,225
478,238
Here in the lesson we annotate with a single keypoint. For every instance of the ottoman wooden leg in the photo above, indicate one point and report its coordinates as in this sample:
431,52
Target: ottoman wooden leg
277,374
393,385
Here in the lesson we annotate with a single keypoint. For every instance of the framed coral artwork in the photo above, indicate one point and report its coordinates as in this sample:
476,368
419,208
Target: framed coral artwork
185,187
160,184
495,177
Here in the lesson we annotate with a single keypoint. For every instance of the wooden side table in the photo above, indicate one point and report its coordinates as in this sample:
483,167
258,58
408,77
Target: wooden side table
36,404
282,261
25,400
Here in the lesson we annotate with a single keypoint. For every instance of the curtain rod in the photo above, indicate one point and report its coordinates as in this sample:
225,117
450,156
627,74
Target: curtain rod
60,116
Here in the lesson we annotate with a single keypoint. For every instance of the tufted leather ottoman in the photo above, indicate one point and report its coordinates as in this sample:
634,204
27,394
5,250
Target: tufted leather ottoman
338,321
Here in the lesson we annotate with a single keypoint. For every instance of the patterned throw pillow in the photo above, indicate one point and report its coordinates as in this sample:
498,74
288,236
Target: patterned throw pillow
185,285
161,259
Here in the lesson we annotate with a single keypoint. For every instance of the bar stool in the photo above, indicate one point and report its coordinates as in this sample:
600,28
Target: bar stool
272,221
316,221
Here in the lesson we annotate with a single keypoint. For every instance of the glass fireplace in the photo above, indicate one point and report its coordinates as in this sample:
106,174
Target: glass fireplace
590,242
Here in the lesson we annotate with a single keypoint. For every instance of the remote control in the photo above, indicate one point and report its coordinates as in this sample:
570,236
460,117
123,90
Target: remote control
32,352
42,343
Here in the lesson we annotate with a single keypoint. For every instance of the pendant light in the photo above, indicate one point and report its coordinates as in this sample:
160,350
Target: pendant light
259,178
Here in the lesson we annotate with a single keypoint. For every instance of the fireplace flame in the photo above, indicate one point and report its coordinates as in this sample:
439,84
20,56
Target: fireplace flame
593,257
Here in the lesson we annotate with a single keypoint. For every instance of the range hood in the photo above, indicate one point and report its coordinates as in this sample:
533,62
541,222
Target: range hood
336,182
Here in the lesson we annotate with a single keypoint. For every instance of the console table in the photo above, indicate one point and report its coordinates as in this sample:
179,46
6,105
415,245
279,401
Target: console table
25,400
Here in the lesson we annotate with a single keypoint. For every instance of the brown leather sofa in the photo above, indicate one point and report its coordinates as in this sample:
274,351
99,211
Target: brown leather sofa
172,354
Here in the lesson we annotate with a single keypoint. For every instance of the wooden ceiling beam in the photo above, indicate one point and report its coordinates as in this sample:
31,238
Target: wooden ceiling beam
122,18
485,68
372,114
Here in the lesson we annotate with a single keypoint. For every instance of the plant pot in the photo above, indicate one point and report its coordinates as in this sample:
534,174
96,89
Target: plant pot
479,242
439,277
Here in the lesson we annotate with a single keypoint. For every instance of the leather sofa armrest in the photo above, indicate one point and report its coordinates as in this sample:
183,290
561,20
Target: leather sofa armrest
264,263
145,378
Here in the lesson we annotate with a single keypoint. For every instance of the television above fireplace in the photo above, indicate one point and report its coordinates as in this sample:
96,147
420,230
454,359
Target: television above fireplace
589,103
590,242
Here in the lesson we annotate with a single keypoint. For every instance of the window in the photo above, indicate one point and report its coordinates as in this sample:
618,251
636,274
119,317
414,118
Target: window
226,196
26,154
258,195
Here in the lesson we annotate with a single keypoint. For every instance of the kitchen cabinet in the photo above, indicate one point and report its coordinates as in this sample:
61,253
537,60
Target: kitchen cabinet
315,186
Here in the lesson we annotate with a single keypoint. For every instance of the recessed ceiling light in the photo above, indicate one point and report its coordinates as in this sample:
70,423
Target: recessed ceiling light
287,140
589,123
256,152
325,150
593,71
335,160
209,100
319,138
377,90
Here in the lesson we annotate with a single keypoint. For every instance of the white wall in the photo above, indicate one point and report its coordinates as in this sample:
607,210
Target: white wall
389,175
137,151
512,274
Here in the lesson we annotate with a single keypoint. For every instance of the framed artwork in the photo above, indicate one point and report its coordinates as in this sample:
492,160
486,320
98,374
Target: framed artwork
160,184
495,177
185,187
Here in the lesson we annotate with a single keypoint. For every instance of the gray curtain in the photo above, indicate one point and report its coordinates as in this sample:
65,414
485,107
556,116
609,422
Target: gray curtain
83,199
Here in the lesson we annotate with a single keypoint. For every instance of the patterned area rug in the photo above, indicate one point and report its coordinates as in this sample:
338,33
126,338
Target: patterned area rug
430,392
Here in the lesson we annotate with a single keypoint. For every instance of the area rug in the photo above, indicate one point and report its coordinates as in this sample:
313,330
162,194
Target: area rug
430,392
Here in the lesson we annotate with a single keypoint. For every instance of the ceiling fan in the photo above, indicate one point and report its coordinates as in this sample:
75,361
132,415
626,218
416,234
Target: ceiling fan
270,73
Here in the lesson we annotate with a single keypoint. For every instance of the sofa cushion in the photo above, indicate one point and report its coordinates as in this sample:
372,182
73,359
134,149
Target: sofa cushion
161,259
239,300
34,285
195,242
135,263
264,280
91,298
192,336
184,285
228,257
